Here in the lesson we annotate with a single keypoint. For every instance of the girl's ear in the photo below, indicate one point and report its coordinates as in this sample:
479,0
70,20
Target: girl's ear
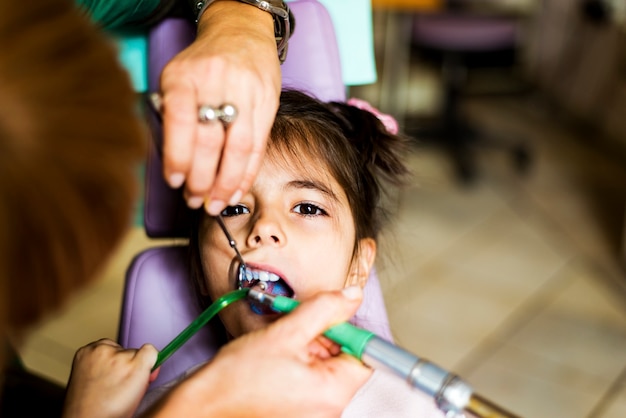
363,262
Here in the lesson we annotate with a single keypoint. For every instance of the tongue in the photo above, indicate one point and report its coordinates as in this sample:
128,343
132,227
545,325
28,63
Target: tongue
278,287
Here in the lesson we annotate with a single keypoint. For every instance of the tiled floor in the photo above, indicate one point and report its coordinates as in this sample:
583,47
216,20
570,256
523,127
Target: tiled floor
514,283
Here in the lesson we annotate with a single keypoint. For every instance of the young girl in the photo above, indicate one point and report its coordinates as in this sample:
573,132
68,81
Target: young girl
309,224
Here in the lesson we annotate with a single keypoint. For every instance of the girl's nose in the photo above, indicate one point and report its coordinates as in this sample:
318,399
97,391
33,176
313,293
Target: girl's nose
267,230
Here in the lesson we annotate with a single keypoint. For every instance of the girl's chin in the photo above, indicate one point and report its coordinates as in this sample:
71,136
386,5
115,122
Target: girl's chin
253,321
244,320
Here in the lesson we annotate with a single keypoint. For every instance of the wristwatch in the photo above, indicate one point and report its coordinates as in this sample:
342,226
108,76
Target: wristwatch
284,21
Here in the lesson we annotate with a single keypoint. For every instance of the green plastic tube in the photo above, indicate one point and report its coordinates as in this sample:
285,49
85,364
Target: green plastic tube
198,323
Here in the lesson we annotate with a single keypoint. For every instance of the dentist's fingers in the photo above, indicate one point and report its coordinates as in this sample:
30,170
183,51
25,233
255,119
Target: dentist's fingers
179,129
234,159
309,320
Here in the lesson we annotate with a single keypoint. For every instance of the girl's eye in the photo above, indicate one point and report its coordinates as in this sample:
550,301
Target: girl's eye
308,209
235,211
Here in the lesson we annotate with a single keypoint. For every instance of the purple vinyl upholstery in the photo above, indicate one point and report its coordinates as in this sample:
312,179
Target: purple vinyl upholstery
313,64
158,302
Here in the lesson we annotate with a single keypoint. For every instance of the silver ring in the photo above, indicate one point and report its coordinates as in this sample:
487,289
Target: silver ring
227,113
208,114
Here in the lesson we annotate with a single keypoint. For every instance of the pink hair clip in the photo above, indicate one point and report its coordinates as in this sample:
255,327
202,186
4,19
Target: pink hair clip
389,121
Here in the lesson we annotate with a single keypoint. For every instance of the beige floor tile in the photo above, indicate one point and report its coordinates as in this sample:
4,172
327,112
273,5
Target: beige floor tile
616,407
566,357
430,339
430,218
583,327
506,249
46,359
458,298
520,382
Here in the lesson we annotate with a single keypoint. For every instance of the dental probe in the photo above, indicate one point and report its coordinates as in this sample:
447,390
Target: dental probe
452,395
231,241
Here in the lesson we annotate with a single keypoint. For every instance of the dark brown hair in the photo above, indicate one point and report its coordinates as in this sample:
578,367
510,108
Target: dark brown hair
353,144
70,145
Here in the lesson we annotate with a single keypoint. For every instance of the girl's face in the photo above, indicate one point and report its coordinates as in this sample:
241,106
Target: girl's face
295,223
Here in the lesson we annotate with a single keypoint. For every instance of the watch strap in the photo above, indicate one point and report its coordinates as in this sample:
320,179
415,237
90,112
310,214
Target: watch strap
284,21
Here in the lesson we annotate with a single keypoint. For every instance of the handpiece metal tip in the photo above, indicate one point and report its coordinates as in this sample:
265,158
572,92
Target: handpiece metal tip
261,297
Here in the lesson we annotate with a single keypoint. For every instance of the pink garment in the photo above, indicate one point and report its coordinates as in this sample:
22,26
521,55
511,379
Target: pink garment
385,395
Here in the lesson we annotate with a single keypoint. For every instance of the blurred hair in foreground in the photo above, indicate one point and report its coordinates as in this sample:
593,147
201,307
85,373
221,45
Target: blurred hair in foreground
70,144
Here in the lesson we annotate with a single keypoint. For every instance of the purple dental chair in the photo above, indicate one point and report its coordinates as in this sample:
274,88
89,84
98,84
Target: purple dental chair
158,303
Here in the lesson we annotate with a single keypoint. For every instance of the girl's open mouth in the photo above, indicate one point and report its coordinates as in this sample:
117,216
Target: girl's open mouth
263,280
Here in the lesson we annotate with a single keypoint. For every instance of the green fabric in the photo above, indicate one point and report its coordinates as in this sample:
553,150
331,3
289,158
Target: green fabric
355,37
132,45
112,14
133,54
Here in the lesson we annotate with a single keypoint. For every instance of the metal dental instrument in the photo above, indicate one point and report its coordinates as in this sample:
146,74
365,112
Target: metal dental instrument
241,271
452,395
231,241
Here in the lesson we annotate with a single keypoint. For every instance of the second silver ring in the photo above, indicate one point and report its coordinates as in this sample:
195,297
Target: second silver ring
226,113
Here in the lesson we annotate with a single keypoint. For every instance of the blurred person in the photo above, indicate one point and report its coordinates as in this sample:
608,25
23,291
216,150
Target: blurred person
70,145
71,142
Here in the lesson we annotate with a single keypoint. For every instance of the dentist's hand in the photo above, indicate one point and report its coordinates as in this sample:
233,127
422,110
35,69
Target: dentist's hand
278,371
233,60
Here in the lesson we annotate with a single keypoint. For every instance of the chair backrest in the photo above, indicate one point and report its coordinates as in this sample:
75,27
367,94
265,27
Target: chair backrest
158,302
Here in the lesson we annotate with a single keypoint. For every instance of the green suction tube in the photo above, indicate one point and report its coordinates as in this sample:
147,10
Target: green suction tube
198,323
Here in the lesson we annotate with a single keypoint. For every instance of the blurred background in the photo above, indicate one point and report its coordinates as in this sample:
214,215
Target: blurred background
507,260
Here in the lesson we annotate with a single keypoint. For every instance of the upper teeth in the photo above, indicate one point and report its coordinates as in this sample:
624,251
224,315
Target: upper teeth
264,276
